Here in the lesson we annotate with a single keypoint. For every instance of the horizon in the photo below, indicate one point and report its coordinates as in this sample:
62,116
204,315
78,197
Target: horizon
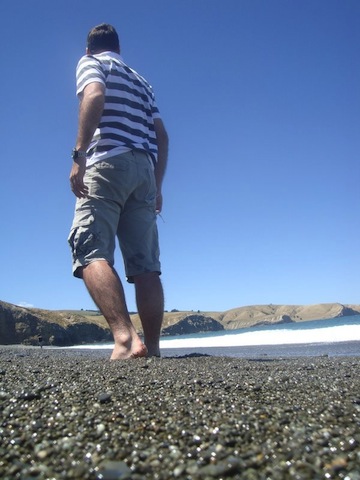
175,310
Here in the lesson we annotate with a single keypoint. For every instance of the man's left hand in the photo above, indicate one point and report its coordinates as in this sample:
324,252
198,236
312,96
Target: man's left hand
159,202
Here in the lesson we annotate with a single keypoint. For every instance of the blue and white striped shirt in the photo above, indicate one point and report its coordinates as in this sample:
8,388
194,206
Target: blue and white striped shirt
127,122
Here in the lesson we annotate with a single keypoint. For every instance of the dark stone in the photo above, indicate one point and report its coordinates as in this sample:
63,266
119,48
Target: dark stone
29,396
113,470
104,397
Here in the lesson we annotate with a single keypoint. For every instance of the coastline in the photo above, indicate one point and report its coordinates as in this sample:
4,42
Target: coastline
68,413
315,349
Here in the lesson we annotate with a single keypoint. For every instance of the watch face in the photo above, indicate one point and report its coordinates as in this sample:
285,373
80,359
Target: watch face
78,154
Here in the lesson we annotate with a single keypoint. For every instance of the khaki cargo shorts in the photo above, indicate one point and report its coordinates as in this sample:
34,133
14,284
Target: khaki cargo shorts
121,203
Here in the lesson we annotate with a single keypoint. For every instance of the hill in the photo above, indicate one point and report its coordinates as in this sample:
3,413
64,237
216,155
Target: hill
20,325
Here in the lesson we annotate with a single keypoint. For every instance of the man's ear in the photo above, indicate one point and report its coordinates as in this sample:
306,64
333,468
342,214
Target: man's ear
88,51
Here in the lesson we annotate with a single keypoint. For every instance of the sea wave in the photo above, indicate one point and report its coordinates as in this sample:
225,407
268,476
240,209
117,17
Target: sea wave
269,336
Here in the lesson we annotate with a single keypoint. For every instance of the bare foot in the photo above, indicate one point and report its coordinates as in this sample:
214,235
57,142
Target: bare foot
124,352
153,347
153,352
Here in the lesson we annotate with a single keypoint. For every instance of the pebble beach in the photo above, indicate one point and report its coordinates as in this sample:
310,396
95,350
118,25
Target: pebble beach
73,414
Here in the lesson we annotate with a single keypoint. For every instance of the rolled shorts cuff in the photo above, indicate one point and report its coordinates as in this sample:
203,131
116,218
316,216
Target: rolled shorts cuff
130,277
79,264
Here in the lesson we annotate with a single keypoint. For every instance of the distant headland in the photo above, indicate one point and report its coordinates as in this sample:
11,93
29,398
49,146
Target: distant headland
33,326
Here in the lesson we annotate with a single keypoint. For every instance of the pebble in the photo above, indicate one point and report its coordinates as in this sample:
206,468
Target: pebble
75,415
104,397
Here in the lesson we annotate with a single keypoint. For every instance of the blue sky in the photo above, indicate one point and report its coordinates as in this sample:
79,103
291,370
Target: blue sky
261,102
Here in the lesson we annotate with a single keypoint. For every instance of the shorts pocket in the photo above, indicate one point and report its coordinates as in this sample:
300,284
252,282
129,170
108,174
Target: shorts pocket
150,197
82,237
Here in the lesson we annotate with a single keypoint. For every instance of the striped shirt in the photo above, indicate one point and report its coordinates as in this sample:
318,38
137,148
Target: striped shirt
127,122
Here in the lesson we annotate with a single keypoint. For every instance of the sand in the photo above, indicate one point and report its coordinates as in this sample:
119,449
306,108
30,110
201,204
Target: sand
71,414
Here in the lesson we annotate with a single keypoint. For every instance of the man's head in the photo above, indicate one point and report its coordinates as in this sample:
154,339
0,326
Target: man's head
103,38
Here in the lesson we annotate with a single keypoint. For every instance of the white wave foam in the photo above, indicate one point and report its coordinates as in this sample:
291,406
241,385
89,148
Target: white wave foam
343,333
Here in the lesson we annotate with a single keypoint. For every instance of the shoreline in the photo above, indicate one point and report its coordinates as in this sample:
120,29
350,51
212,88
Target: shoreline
72,414
315,349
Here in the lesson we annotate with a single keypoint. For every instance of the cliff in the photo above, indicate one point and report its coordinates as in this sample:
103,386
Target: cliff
193,324
24,325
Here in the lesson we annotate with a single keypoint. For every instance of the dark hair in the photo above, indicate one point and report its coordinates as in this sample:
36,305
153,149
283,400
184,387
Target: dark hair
103,37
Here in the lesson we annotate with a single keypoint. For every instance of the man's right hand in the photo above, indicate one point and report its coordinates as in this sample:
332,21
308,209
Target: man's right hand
77,178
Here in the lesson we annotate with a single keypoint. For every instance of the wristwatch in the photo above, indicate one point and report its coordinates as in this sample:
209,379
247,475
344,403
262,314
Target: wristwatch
78,154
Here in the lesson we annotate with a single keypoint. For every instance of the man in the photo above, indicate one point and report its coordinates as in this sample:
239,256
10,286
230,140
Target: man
119,163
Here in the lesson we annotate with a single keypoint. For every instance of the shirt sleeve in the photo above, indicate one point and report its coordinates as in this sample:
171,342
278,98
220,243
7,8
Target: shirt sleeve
154,108
88,70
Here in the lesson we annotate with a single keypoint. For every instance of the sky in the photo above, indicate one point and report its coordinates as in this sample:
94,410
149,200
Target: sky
261,102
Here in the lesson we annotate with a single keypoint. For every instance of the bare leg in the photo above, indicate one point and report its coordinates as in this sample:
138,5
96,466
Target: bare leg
150,303
106,289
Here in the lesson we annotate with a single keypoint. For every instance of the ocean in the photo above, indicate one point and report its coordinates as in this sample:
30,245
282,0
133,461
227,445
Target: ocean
332,337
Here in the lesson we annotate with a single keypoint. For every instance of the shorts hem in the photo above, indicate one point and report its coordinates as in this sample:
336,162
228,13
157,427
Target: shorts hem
78,266
130,278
